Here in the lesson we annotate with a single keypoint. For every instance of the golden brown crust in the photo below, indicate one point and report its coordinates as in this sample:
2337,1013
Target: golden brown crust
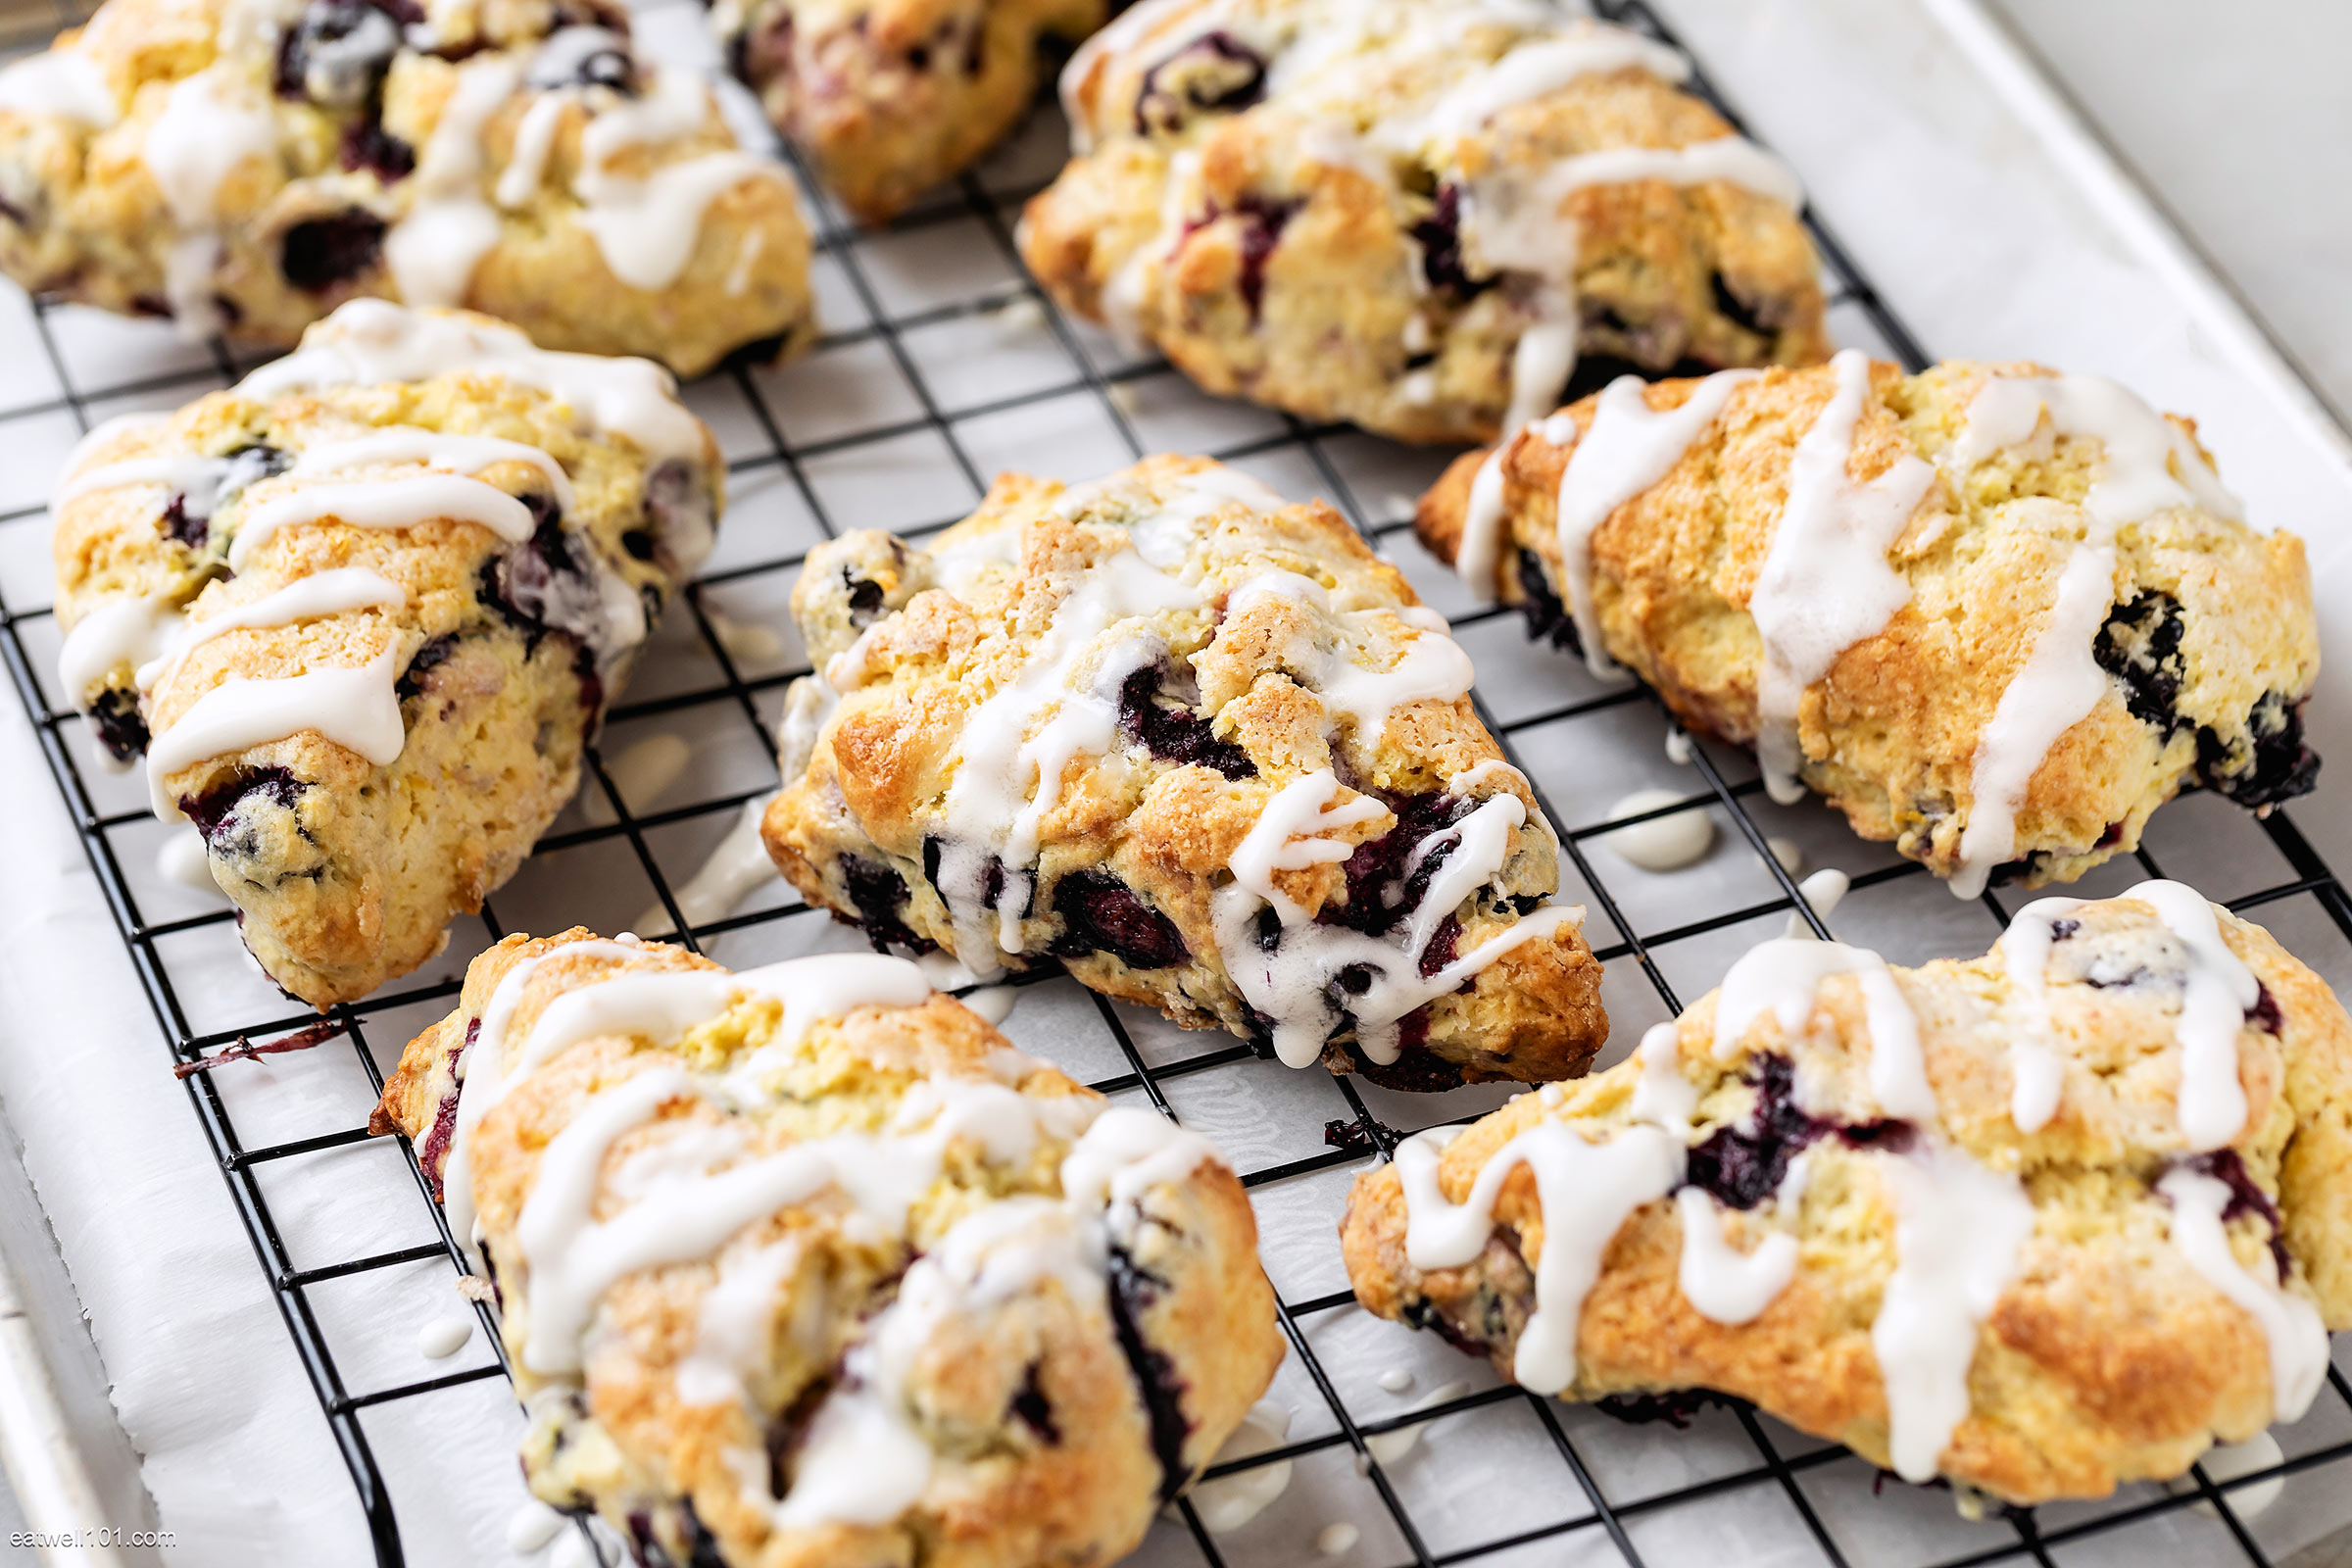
1054,1403
890,97
499,655
2211,644
335,120
2107,1359
1323,245
1262,645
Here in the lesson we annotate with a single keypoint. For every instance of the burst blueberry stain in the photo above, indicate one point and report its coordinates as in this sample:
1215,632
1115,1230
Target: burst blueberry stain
2271,765
1743,1162
1675,1407
1219,73
1100,914
1174,732
429,656
324,251
369,147
1440,236
1547,620
119,725
1735,309
1133,1290
1033,1410
879,894
2140,648
222,814
2246,1197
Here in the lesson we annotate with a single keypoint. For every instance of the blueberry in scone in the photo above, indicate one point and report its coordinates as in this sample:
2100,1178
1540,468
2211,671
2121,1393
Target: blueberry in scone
890,97
2040,1223
808,1265
362,610
1996,614
248,165
1202,748
1415,215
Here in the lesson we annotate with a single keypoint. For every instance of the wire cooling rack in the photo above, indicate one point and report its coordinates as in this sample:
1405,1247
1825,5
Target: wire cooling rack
943,363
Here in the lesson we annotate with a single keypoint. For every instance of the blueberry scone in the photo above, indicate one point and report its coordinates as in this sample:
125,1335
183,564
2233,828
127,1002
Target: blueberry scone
2039,1223
1996,614
248,165
1415,215
806,1265
890,97
361,612
1202,748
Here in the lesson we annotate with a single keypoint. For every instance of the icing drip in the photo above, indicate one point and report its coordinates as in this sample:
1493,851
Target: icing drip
1824,584
1722,1283
207,126
1432,669
2298,1339
433,251
127,632
355,707
1003,746
1784,977
370,341
1958,1229
736,866
1533,68
535,141
1662,1096
647,227
1586,1193
385,504
1478,557
2148,467
64,82
2218,992
1293,981
333,592
1628,448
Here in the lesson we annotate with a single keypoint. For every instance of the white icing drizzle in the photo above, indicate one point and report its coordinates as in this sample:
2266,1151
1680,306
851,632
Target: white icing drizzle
1542,360
1531,67
402,444
209,124
384,504
1823,890
2218,991
1824,584
433,251
371,341
1004,747
1586,1193
1478,557
117,633
2037,1072
172,471
1432,667
1784,978
1722,1283
2148,467
64,82
327,593
1958,1229
1628,448
1662,1096
736,866
535,141
647,227
352,706
531,1527
2297,1337
1291,985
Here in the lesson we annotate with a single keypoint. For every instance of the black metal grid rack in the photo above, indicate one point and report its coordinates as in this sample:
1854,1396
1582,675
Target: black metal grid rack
1535,1480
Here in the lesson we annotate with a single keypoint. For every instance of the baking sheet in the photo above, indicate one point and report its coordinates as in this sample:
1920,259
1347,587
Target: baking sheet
939,368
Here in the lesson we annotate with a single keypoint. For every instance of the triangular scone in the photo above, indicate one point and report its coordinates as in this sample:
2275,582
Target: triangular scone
806,1265
890,97
2041,1223
1266,804
248,165
1996,614
370,603
1415,215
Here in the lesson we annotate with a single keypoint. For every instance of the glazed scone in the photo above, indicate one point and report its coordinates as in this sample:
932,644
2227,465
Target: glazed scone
248,165
1414,215
1202,748
890,97
1996,614
361,612
807,1266
2040,1223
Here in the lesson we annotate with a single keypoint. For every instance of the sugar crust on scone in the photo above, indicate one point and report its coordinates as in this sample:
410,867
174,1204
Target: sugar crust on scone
2061,1310
248,165
890,97
1414,215
808,1266
2002,635
516,518
1266,802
